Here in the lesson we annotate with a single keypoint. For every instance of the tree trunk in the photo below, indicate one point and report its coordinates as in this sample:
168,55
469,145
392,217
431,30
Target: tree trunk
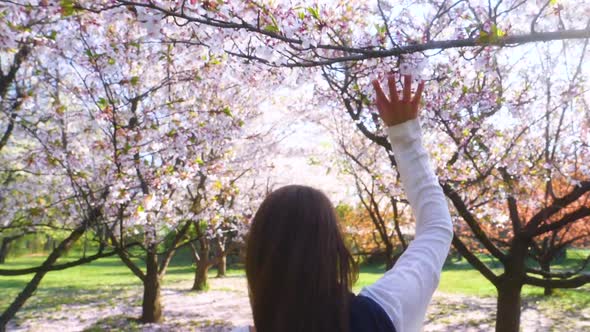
151,306
546,267
508,310
201,282
48,243
389,257
222,259
510,287
31,287
4,250
201,278
6,244
222,265
396,258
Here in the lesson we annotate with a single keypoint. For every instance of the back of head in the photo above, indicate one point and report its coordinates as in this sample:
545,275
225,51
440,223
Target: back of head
298,268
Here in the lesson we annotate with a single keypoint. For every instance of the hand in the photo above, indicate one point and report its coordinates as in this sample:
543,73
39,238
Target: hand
394,111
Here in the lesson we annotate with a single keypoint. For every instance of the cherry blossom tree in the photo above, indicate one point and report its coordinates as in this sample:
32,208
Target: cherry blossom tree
475,81
310,34
29,202
236,193
214,233
358,231
490,135
15,54
11,94
168,133
138,128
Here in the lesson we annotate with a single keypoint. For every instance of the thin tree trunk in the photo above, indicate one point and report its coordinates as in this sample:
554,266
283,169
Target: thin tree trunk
389,256
396,257
546,267
7,243
48,243
222,265
30,288
151,306
222,260
4,250
201,282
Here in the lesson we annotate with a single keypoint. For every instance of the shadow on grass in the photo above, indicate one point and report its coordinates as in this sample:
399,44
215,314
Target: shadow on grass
13,284
372,268
463,265
54,297
126,323
115,323
180,270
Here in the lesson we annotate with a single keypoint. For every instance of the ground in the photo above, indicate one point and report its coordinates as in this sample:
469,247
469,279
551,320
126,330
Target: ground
226,305
104,295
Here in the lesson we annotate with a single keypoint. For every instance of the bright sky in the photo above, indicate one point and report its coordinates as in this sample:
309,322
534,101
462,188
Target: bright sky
310,143
305,154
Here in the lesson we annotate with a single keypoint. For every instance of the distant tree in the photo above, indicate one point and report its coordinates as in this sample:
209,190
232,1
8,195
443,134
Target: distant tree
28,202
378,191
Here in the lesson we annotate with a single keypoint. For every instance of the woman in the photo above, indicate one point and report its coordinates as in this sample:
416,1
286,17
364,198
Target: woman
299,271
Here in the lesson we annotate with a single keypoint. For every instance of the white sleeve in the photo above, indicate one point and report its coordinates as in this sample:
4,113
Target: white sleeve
405,291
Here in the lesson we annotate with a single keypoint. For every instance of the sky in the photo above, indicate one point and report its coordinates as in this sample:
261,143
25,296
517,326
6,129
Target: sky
305,153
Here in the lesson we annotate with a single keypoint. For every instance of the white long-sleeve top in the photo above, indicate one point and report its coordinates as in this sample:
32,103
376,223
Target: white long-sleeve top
405,291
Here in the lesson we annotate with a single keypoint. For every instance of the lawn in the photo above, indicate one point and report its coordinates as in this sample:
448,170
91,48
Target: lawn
102,278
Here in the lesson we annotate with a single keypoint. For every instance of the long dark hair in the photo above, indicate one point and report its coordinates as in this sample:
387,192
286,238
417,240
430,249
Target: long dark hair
299,270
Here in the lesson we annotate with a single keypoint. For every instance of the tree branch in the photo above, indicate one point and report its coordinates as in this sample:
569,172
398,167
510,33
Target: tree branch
576,282
126,259
511,200
170,253
58,267
473,224
361,53
557,205
474,261
563,275
578,214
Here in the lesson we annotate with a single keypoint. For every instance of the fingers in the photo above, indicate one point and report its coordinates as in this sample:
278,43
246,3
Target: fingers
381,98
406,94
407,88
392,88
418,94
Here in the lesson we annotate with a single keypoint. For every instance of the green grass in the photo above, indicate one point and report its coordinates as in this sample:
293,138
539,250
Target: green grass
102,279
87,283
461,278
458,278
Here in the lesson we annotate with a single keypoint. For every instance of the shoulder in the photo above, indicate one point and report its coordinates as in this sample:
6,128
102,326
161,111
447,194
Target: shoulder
368,315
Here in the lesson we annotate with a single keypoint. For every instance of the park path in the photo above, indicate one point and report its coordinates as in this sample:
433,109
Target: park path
226,305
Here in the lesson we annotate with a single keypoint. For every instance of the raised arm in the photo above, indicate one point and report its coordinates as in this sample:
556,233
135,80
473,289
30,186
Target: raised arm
405,291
